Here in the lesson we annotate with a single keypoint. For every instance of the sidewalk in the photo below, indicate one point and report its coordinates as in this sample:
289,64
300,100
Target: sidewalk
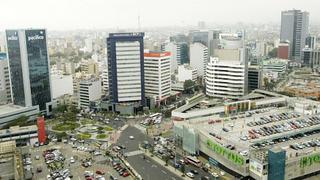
161,162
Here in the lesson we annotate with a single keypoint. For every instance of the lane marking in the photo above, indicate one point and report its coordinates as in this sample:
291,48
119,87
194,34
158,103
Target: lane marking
163,172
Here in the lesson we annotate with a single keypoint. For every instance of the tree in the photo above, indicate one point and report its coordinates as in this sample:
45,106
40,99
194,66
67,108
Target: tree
183,169
273,53
188,85
20,121
166,159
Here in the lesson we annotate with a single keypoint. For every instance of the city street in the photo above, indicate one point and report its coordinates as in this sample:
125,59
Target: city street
147,168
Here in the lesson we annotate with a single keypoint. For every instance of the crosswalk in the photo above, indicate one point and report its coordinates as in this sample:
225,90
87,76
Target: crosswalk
133,153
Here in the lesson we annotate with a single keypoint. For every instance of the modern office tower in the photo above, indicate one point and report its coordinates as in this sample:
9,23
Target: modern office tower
199,57
179,54
105,81
311,41
209,38
306,56
294,28
186,72
29,68
226,73
311,57
89,90
283,50
126,69
254,78
157,75
226,78
5,88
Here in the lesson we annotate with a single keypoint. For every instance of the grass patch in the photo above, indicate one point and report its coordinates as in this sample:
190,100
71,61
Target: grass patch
87,121
84,136
101,136
108,128
66,126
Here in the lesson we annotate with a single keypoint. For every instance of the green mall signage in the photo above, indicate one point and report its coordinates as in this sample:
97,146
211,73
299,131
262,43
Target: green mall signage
309,160
232,156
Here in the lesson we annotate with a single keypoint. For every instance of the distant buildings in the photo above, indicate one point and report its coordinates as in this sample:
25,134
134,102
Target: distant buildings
294,28
186,72
311,42
126,69
29,67
209,38
5,88
199,57
157,75
89,90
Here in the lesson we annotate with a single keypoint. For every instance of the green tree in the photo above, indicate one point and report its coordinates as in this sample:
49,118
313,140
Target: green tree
20,121
273,53
188,84
166,159
183,169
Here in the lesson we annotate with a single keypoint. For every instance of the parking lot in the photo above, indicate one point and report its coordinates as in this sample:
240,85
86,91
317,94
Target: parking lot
97,162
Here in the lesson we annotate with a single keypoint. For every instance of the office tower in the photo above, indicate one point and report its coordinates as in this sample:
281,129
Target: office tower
311,41
29,68
179,38
227,72
209,38
5,88
294,28
254,78
199,57
283,50
157,75
311,57
105,81
126,69
89,90
179,54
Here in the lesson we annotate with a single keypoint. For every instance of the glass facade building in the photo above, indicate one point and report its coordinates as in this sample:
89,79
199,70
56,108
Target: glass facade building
29,67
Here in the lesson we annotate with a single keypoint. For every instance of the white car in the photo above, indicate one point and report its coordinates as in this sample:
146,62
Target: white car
97,153
72,160
214,174
190,174
131,137
222,173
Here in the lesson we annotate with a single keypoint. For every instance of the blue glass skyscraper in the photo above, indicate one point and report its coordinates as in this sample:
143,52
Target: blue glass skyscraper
29,68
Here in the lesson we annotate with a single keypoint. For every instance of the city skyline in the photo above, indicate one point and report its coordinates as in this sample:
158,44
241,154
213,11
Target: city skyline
99,14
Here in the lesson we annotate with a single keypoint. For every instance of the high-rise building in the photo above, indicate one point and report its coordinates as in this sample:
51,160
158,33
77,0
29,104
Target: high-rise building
126,69
311,42
227,72
29,68
90,67
311,57
199,57
254,78
105,81
283,50
5,88
179,54
89,90
209,38
294,28
157,75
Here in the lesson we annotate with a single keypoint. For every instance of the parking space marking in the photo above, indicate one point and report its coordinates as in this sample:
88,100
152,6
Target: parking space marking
133,153
163,172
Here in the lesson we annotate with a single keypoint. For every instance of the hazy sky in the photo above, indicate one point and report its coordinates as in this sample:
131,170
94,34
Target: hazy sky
78,14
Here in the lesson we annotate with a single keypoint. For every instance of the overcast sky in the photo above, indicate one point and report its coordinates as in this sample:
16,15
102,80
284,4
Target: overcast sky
89,14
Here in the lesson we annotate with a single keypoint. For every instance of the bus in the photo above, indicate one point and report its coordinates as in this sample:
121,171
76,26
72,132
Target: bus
193,160
154,115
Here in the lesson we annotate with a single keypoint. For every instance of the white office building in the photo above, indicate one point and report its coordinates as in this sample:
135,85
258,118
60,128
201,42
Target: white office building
105,81
199,57
61,84
157,75
89,90
174,49
186,72
225,79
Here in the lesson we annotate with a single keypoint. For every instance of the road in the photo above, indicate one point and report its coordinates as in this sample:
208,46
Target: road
147,168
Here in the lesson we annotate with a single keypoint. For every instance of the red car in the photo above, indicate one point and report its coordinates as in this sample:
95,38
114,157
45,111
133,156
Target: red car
89,178
100,172
125,174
